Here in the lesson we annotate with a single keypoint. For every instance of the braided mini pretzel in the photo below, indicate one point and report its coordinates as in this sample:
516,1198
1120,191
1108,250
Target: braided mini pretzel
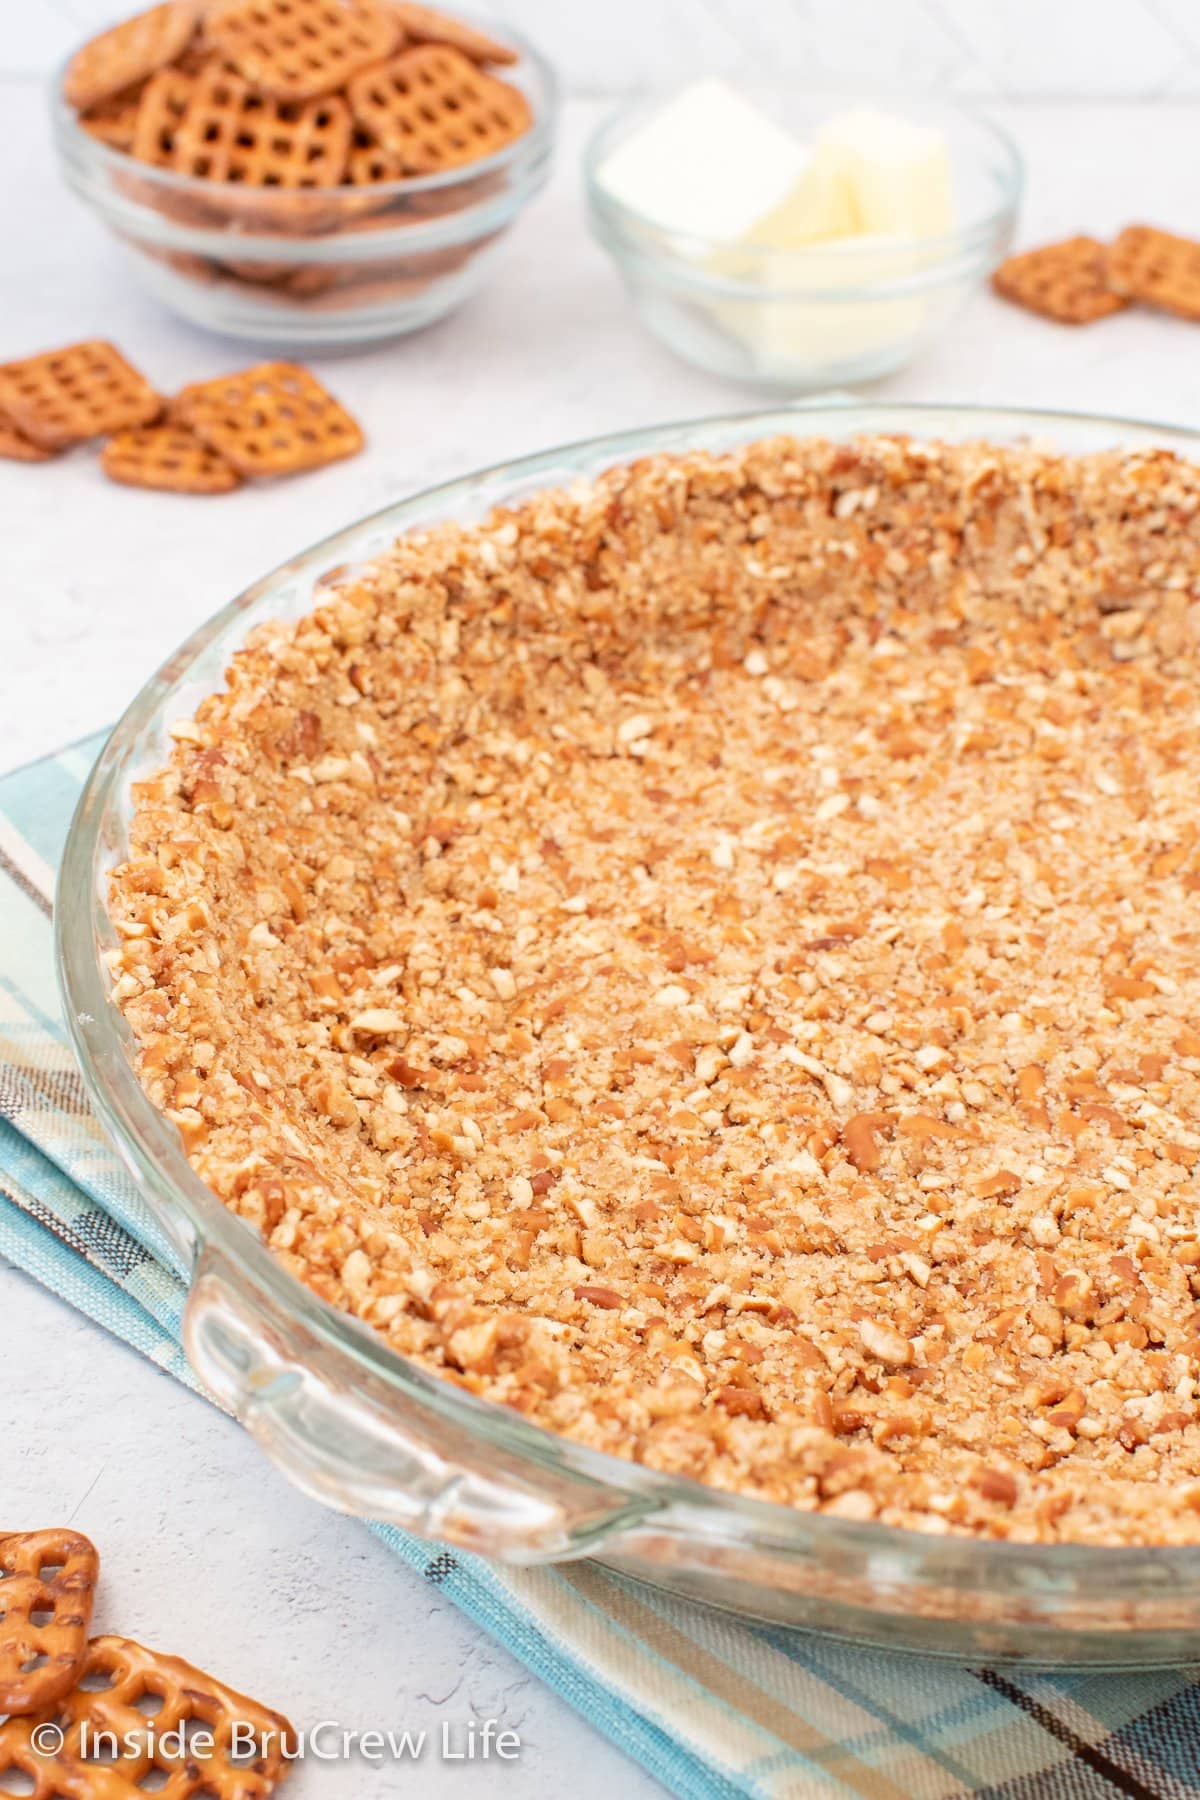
431,109
44,1616
300,49
241,1755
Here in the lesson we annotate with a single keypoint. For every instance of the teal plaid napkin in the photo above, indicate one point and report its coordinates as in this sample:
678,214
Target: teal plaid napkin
711,1706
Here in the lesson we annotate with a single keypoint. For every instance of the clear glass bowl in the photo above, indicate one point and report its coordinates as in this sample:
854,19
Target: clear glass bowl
364,1430
315,268
831,314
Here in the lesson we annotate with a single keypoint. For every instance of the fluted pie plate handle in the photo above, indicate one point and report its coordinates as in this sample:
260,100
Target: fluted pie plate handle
363,1452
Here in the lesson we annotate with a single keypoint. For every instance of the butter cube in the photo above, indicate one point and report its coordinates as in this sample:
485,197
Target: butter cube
707,165
791,329
820,206
897,173
795,327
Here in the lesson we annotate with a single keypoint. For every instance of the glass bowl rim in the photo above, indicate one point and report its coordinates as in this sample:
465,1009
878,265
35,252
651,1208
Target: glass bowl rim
537,138
636,235
151,1146
704,285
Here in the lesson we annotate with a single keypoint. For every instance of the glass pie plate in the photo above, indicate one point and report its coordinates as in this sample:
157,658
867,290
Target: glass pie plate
364,1430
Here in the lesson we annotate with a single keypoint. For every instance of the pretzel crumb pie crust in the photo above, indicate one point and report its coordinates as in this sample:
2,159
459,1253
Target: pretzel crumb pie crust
710,959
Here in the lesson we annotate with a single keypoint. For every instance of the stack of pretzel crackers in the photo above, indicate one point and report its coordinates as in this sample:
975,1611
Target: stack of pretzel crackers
274,419
1080,279
297,94
99,1718
298,120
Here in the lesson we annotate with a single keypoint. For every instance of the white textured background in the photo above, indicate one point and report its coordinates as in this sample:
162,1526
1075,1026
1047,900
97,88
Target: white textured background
1128,49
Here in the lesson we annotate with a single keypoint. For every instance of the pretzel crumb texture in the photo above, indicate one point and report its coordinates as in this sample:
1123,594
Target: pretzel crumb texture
710,959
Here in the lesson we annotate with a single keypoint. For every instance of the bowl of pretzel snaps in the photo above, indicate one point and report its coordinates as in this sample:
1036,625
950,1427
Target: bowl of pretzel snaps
306,172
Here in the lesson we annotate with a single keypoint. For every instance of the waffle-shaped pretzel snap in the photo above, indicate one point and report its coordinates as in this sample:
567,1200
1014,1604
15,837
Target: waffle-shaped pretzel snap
432,109
47,1584
270,420
230,132
16,447
114,121
131,51
423,25
161,111
1064,281
168,457
1157,267
202,1739
83,391
300,49
369,163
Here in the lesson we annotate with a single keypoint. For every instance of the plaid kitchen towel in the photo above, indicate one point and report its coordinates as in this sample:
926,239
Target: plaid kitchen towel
711,1706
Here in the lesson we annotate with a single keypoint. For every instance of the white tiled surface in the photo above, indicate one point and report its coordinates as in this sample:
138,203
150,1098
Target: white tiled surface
1048,48
208,1550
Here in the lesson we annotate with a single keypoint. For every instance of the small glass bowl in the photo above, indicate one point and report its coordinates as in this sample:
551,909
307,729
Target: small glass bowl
315,267
829,314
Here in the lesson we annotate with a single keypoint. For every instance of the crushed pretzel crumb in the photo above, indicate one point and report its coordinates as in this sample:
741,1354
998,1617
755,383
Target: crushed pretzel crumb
711,960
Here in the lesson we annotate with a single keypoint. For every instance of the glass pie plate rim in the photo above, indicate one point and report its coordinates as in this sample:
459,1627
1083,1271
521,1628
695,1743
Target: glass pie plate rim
304,1375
